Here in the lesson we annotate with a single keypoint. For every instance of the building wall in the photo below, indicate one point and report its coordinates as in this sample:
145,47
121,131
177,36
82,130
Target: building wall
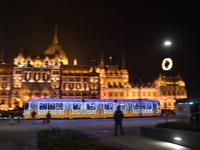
49,75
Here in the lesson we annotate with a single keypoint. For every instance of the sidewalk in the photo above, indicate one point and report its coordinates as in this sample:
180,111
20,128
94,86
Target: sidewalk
135,141
22,136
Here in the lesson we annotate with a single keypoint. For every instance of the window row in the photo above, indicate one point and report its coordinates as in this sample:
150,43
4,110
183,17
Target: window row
120,94
173,92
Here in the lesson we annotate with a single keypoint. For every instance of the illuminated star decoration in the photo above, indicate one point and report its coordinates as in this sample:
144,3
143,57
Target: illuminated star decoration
106,90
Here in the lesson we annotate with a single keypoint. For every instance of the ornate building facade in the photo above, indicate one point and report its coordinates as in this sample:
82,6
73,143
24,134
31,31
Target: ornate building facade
49,75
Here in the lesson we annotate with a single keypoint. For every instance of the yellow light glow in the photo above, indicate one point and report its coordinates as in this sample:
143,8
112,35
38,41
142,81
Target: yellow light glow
167,60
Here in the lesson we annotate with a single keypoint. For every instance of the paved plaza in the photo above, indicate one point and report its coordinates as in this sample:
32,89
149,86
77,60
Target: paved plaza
22,136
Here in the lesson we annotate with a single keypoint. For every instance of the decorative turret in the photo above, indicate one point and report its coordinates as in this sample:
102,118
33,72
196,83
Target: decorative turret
75,61
55,39
54,47
123,62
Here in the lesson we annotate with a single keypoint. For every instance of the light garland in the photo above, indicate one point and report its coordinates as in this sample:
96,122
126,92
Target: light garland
108,112
90,106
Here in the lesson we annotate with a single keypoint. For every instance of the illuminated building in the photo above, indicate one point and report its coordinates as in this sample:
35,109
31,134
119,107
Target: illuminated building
49,75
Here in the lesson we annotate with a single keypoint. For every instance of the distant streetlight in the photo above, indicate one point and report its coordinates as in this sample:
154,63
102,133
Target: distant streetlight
167,43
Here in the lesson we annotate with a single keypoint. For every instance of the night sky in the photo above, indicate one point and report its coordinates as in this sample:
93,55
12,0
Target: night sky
88,27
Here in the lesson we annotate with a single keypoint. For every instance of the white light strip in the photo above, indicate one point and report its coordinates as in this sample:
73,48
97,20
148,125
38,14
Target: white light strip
177,138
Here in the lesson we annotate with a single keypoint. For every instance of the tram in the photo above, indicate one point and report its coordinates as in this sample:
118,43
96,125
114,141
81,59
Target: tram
91,108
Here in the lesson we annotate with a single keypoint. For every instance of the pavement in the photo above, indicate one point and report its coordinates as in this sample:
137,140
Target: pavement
23,135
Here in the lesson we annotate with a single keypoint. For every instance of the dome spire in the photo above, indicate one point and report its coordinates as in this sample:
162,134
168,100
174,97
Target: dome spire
55,39
123,62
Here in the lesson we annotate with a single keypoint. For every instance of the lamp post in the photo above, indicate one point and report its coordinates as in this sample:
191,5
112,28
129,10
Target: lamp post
168,44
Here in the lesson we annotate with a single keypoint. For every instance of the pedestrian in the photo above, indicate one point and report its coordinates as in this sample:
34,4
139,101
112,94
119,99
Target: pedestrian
118,116
33,115
18,116
48,117
11,116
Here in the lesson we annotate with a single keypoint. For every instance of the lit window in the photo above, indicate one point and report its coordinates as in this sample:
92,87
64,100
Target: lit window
4,78
18,72
4,84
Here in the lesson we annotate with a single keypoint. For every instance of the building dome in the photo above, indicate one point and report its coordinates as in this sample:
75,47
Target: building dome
55,48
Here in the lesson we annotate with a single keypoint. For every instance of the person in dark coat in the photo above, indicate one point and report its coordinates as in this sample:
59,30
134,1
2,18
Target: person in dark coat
48,117
33,115
118,116
11,116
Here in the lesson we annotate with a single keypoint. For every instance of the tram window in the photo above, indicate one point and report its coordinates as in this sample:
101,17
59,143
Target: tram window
136,105
154,106
91,106
76,106
148,106
51,106
142,106
26,106
33,106
100,106
122,106
59,106
129,105
43,106
108,106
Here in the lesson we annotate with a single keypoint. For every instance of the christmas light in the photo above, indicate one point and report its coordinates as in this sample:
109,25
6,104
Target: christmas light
90,106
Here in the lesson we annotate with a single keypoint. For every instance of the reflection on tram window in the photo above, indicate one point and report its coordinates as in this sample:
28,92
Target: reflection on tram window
76,106
122,105
43,106
109,106
51,106
91,106
59,106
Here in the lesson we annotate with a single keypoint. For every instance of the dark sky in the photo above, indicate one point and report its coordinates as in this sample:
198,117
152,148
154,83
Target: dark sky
88,27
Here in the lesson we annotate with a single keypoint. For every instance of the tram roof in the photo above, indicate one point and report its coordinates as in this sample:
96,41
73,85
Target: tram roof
136,100
54,100
89,100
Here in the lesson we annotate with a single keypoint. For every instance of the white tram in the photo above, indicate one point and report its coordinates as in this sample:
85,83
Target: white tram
91,108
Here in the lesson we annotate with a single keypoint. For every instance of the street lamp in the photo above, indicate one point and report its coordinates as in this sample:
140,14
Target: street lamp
168,44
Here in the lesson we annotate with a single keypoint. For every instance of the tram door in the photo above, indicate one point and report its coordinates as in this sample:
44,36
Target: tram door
100,110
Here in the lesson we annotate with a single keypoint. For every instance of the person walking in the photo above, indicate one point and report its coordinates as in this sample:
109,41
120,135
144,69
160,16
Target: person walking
33,115
118,116
48,117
